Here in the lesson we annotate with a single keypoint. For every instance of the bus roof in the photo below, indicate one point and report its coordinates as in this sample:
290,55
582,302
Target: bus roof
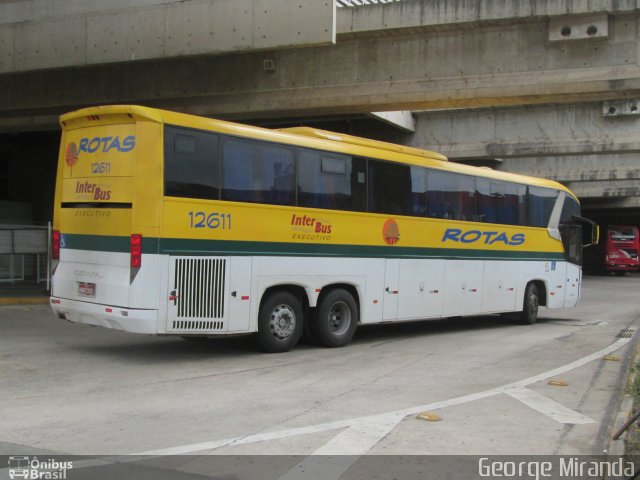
364,142
300,136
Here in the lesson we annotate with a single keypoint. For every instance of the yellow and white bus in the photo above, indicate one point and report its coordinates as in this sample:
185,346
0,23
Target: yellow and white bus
173,224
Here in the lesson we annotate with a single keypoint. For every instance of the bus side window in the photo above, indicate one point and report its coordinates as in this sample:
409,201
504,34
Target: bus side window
332,181
257,172
389,188
419,191
541,203
451,196
191,163
501,202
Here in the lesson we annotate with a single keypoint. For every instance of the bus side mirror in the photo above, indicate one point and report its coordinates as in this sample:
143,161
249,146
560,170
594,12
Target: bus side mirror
594,228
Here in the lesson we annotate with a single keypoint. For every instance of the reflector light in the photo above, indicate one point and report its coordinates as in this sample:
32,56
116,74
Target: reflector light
136,251
55,245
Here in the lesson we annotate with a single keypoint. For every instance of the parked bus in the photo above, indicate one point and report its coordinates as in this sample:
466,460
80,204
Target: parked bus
618,252
172,224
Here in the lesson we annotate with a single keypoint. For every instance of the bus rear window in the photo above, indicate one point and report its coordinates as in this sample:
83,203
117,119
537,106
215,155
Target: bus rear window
622,233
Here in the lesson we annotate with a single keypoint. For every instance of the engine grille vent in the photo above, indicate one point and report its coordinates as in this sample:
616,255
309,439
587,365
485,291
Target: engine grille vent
197,325
199,285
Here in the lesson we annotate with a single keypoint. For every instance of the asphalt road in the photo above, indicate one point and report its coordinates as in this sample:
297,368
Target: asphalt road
72,389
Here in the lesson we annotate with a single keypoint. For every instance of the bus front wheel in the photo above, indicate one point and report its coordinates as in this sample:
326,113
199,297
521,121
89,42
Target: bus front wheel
280,322
336,319
529,314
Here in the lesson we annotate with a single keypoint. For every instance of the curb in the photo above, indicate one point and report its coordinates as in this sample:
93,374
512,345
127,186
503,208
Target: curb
24,300
618,447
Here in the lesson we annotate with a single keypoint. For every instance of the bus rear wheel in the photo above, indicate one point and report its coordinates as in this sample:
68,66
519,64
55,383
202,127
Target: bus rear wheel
280,322
529,313
336,319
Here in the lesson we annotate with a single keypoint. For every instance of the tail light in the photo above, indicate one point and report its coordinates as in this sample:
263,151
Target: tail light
136,251
55,245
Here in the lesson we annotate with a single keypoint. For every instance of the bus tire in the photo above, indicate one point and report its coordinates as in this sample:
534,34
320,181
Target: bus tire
529,313
280,322
336,319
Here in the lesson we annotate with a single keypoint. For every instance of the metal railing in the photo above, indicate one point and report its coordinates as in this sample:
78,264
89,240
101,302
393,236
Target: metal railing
25,254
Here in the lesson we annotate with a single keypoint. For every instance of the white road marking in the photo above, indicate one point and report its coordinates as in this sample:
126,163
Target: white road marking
361,436
397,415
336,456
549,407
362,433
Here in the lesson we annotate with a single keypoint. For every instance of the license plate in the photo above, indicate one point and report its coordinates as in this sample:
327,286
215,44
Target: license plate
87,289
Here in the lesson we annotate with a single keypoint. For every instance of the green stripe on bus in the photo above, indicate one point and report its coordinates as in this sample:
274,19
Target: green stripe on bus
186,247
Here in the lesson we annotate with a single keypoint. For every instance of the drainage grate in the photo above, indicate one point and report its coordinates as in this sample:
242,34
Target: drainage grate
626,333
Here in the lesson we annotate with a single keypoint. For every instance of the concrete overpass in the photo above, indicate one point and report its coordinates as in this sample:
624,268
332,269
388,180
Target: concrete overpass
544,87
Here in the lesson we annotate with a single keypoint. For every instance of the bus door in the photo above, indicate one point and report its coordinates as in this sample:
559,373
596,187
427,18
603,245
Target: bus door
420,289
572,241
462,287
391,289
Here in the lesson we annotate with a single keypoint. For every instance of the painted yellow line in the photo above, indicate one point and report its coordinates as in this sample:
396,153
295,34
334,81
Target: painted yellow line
23,300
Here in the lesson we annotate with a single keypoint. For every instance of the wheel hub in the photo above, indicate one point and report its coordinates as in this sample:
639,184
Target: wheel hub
339,318
282,321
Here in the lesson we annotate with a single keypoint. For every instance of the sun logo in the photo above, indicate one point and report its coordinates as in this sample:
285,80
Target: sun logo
71,157
391,232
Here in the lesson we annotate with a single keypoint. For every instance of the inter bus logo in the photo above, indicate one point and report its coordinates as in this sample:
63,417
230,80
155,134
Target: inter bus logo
310,228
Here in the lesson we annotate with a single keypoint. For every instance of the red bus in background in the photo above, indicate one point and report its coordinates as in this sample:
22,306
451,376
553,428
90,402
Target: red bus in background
619,250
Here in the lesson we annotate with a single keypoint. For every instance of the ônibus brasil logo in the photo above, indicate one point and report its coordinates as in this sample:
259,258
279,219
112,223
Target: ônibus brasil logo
34,469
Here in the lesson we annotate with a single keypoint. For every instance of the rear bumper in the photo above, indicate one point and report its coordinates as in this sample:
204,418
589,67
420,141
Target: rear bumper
622,268
106,316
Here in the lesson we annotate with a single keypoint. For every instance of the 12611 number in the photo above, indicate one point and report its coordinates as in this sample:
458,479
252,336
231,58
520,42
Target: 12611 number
100,167
210,220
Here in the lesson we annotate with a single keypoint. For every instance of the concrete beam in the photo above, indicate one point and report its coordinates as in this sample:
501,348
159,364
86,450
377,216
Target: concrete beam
529,131
606,188
41,34
421,13
402,120
609,203
458,65
579,168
